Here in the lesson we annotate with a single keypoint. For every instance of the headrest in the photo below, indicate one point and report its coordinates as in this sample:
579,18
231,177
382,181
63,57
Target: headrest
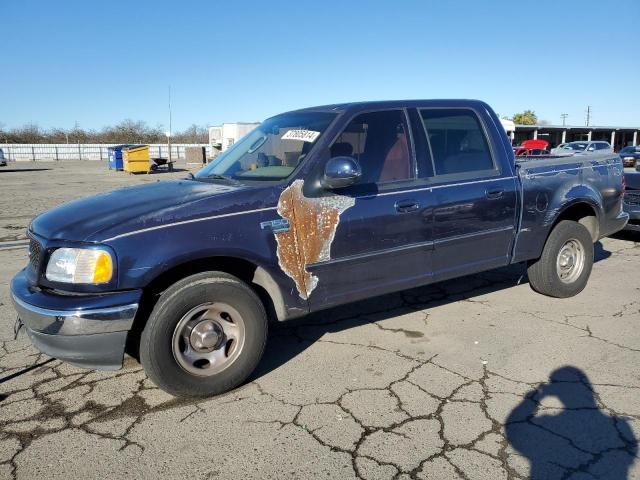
341,149
472,142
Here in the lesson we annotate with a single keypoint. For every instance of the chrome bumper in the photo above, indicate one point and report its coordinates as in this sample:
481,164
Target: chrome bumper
78,322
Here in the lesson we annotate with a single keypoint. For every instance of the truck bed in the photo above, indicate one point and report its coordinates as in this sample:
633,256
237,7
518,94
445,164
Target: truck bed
550,184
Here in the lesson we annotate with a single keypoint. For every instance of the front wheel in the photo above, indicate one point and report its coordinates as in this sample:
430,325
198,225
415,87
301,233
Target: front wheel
205,335
565,264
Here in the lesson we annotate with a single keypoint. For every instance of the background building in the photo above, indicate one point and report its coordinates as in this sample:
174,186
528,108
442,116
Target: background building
223,136
618,137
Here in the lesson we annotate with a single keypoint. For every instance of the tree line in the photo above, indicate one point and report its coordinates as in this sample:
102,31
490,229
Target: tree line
127,131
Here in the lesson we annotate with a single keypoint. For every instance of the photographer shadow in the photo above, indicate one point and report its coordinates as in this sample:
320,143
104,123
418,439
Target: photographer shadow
574,440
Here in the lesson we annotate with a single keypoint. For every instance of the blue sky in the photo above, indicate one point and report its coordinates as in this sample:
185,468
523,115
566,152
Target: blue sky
98,62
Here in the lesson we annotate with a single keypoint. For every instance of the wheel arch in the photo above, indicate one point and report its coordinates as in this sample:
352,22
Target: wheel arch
254,275
582,210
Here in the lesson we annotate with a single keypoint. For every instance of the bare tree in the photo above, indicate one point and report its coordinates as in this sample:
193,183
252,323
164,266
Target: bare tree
127,131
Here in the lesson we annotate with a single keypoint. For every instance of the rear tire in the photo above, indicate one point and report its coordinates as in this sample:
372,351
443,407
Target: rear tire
564,267
205,335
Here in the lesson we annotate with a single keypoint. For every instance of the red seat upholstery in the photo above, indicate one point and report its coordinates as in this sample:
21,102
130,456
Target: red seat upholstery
396,164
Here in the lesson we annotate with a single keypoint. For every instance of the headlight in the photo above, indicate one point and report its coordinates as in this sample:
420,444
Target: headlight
80,265
629,158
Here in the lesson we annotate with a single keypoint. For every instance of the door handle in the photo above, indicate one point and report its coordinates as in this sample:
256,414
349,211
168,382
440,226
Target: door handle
405,206
497,193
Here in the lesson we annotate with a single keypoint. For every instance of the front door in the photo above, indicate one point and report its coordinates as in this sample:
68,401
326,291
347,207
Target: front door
377,233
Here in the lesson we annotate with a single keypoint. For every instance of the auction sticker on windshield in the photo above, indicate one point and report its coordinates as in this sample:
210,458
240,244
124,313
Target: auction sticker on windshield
303,135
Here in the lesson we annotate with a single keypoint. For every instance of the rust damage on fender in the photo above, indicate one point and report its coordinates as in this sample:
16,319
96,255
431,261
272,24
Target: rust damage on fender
313,222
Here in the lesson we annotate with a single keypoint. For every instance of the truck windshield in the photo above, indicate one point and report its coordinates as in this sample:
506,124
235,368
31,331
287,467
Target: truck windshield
272,150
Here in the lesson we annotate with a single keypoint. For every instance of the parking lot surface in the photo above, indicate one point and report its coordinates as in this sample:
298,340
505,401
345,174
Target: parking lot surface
476,378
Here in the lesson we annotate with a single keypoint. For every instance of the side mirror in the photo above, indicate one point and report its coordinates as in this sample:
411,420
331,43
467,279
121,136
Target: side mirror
341,172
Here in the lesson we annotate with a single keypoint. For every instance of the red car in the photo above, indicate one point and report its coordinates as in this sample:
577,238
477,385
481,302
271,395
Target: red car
532,148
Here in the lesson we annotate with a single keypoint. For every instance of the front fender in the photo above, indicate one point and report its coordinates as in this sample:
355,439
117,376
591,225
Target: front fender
147,255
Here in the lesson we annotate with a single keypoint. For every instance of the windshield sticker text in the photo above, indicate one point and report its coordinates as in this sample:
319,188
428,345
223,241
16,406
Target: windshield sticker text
303,135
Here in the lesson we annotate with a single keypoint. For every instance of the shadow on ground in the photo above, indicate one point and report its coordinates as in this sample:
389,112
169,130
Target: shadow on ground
627,235
573,439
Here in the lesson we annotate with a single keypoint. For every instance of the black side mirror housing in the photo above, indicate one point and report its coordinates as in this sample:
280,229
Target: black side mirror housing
341,172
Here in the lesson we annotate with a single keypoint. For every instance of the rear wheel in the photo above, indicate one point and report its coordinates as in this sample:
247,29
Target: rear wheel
564,267
205,335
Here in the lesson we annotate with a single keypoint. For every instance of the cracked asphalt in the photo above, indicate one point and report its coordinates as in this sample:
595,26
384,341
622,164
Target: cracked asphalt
475,378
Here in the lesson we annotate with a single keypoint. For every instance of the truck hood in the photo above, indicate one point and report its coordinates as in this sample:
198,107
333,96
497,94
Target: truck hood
94,218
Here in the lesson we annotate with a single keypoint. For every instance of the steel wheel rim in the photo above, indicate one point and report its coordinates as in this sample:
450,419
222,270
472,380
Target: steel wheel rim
570,261
208,339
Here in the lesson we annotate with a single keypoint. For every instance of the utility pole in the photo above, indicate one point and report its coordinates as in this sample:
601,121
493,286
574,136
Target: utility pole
564,119
588,114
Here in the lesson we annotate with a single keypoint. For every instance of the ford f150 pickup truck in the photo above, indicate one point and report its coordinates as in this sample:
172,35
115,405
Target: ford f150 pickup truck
313,209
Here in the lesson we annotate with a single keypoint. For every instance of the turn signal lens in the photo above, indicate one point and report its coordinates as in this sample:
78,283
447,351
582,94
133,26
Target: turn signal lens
103,269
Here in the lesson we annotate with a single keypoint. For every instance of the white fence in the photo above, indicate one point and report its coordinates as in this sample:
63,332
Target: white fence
85,151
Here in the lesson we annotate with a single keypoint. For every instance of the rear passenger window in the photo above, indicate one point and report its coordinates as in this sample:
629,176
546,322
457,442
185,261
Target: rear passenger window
457,142
380,143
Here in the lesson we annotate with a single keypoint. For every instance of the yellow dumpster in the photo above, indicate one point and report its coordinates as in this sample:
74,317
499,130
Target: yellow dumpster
135,159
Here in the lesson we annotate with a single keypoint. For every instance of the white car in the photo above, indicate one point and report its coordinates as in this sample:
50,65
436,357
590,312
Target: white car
573,148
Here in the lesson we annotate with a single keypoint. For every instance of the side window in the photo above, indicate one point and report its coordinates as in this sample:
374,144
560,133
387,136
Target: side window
380,143
602,146
457,142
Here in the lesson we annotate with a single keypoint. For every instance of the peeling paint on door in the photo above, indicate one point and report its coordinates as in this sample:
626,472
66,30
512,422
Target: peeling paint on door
314,222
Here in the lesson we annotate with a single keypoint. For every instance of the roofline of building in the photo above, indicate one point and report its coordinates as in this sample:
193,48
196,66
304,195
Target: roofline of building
573,127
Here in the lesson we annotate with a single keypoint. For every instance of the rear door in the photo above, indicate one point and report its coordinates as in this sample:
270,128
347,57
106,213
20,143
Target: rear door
474,196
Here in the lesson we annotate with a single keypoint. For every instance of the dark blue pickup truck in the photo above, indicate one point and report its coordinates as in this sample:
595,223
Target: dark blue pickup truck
312,209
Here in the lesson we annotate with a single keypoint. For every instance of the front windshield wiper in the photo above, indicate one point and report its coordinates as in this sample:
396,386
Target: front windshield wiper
216,176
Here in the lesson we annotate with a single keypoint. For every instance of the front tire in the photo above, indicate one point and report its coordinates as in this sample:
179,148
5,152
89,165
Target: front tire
205,335
565,265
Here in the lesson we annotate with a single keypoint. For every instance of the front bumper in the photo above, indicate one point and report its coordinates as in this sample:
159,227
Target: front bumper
87,331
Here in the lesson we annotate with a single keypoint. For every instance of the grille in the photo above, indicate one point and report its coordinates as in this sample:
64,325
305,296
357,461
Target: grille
632,198
35,249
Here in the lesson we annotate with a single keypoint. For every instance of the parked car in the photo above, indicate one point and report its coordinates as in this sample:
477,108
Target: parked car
313,209
3,160
531,148
630,156
583,148
529,152
632,200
